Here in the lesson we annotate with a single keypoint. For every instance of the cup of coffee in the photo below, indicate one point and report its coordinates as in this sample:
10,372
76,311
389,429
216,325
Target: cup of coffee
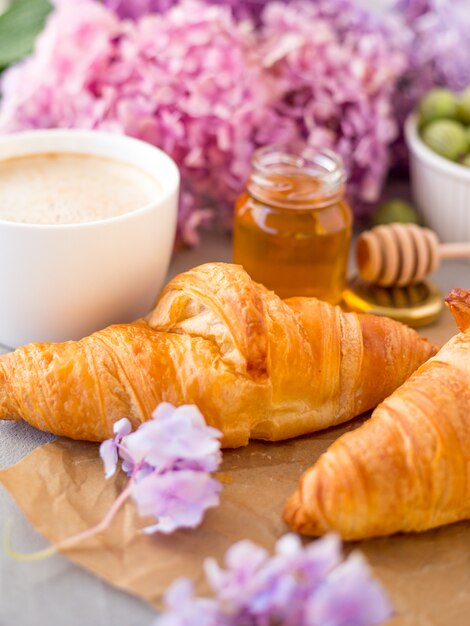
87,227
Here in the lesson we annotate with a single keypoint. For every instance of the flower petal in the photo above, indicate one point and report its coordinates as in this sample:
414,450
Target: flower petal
122,427
164,410
177,438
109,456
176,499
350,596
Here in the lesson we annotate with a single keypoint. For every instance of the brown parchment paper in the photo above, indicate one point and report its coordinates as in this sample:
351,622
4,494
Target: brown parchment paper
61,489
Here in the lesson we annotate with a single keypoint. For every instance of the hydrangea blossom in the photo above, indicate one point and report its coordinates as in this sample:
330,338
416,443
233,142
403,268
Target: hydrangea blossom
133,9
169,460
337,66
109,449
437,50
440,46
297,586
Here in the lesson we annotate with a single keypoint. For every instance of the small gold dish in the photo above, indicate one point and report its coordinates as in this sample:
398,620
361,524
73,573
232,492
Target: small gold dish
415,305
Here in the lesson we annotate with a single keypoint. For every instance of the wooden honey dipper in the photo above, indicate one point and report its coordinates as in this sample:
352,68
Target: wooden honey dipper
402,254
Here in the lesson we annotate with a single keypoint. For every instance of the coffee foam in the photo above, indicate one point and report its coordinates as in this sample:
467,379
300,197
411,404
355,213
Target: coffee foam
61,188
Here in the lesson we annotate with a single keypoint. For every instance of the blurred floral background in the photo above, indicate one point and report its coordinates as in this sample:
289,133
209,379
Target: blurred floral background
209,81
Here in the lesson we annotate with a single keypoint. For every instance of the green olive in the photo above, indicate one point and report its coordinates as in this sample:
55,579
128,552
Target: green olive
446,137
466,160
437,104
463,106
395,211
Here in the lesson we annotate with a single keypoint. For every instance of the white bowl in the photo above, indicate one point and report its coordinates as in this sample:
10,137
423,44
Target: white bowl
441,188
64,281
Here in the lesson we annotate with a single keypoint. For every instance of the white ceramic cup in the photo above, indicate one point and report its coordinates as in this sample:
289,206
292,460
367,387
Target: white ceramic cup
64,281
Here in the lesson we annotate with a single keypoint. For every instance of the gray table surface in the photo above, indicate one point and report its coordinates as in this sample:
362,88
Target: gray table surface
56,592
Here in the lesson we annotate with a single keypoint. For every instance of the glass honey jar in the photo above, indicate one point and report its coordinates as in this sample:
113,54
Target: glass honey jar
292,226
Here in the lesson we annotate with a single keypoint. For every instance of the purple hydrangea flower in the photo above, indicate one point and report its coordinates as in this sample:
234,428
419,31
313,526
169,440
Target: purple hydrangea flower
178,499
437,49
187,610
176,438
297,586
440,46
169,460
348,597
109,448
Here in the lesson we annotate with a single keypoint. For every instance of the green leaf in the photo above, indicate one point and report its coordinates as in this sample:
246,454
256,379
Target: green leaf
19,26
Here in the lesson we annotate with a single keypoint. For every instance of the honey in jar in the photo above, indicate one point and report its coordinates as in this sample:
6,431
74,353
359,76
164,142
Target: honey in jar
293,225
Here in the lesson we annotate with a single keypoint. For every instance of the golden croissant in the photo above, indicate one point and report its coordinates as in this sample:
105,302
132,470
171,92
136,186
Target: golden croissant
408,467
256,366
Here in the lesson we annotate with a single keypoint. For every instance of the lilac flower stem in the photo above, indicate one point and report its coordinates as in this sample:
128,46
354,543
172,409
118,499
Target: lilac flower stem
65,544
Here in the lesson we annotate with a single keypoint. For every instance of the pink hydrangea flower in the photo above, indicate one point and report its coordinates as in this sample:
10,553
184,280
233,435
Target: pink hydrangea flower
338,74
169,460
133,9
57,86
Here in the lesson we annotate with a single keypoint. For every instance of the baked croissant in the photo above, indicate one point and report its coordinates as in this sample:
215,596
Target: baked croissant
408,467
257,367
